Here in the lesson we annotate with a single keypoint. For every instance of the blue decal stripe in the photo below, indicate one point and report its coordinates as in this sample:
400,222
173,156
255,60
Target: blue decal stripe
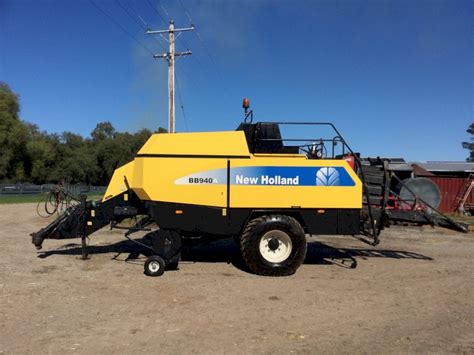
273,176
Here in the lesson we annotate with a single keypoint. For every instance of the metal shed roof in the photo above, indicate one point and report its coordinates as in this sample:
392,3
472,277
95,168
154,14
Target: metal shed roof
441,166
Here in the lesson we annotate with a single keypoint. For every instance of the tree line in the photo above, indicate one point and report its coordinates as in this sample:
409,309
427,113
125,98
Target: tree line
28,154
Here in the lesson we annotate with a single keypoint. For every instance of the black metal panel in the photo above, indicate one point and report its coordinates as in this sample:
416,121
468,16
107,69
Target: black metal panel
190,218
314,221
238,218
210,220
332,221
264,137
348,221
320,223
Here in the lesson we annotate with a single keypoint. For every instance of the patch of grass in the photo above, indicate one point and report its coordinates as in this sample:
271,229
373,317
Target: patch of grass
6,199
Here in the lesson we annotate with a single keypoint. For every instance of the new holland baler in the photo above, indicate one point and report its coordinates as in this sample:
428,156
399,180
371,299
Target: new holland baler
265,191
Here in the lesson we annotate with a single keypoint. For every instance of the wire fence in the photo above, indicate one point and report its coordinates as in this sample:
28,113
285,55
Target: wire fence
31,189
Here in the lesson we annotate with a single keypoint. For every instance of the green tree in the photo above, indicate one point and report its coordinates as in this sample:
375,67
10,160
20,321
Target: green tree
139,139
41,154
13,136
470,145
73,163
113,149
110,154
103,131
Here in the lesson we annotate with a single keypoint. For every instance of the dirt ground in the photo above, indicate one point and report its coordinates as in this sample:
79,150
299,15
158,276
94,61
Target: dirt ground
412,293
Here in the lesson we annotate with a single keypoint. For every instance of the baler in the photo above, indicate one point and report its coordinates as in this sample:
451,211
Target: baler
265,191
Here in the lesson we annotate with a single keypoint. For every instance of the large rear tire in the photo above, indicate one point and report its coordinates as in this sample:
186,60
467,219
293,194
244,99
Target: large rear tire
273,245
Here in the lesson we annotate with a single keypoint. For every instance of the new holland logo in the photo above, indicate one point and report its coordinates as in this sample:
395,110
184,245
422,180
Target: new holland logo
327,177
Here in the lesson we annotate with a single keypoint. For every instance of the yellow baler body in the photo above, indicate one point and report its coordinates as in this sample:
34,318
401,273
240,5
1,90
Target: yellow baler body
211,168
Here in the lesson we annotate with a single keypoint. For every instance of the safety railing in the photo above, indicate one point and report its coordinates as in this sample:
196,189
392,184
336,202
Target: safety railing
334,142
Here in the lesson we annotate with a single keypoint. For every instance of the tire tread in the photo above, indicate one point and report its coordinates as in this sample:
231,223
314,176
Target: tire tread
251,258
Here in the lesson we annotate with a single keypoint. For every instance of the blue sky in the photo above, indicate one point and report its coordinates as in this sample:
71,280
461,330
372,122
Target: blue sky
396,77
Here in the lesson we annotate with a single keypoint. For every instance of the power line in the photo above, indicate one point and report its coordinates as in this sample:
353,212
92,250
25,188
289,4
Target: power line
143,25
154,9
138,15
121,27
166,12
185,11
129,14
181,104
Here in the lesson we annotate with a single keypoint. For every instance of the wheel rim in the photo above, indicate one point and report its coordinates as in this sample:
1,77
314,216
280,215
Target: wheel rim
275,246
154,266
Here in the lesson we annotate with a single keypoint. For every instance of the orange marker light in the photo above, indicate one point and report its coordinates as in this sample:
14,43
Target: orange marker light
245,103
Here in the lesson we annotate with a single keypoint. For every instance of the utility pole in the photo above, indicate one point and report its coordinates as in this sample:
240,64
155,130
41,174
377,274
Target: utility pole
170,56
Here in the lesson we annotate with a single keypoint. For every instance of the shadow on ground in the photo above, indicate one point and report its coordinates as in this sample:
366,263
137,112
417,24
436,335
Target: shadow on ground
226,251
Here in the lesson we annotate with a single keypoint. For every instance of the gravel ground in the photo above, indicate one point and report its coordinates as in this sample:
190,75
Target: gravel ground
412,293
